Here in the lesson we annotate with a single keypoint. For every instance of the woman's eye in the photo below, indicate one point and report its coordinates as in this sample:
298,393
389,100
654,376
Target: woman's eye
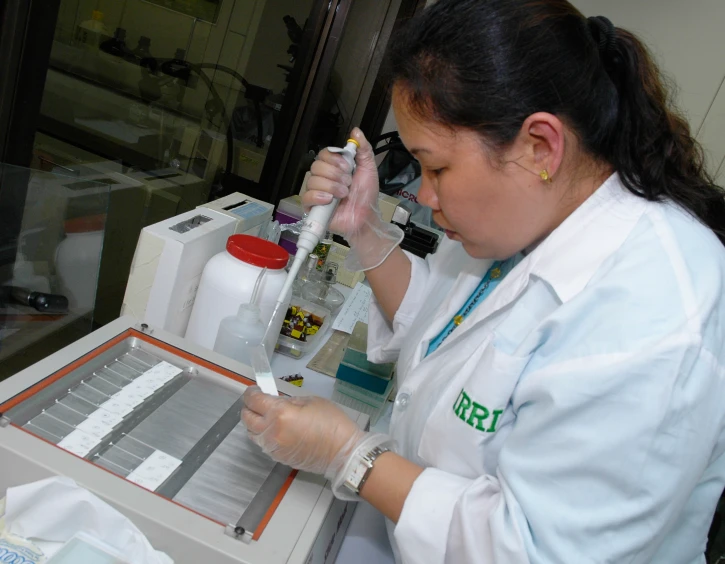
436,171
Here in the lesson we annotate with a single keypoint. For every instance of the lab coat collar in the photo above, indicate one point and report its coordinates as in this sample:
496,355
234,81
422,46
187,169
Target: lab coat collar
568,258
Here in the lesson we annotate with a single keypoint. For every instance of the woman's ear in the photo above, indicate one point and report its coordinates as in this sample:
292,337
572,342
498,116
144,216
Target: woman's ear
542,139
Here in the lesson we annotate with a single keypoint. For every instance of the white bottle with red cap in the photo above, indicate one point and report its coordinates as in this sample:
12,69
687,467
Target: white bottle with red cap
228,281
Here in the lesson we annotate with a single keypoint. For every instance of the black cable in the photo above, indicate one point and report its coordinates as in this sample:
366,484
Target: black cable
248,87
198,69
227,70
222,108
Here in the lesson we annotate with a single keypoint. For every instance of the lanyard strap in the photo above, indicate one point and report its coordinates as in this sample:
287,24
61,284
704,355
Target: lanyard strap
493,277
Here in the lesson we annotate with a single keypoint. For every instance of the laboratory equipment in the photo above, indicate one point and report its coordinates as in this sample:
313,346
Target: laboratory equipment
47,321
322,250
363,400
136,199
321,290
150,423
386,204
170,190
228,280
355,368
289,211
338,254
240,334
418,240
70,200
313,229
307,273
315,224
42,302
168,264
360,384
303,325
252,215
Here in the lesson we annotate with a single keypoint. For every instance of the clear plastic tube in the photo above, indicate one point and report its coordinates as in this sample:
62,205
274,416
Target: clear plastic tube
257,285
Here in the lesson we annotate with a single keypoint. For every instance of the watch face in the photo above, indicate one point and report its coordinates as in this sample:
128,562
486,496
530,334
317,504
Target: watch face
364,465
356,476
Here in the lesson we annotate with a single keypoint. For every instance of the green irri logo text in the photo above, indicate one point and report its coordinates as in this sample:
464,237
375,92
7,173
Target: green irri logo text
474,414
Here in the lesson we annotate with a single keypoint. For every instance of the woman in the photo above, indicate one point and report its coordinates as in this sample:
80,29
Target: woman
560,358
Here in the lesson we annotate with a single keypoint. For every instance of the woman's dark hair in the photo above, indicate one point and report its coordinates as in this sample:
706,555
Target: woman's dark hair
487,65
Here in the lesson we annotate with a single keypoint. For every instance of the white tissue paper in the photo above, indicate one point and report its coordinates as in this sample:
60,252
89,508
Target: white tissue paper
51,512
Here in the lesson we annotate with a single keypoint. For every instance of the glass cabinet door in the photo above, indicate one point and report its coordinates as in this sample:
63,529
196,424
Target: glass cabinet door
181,101
49,271
180,94
167,84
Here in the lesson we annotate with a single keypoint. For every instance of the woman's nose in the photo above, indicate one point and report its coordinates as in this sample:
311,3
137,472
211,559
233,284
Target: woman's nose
427,195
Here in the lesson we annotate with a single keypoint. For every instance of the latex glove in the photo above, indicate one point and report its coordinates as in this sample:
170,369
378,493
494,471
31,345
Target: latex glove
307,433
358,216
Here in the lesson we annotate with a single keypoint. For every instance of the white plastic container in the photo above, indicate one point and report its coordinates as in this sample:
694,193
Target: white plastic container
228,281
295,339
77,260
240,333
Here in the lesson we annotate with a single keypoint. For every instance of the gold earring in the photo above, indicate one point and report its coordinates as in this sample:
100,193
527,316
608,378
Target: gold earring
544,174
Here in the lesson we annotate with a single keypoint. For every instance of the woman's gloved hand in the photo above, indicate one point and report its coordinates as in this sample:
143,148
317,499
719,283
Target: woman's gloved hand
358,217
307,433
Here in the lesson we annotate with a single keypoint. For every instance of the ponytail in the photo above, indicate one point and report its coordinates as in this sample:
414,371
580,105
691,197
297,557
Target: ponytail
652,147
487,66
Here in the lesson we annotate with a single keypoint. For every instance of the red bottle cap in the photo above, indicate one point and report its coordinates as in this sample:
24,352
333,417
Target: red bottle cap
86,224
257,252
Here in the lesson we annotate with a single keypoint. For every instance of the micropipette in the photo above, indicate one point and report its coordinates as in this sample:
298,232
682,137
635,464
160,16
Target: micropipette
313,229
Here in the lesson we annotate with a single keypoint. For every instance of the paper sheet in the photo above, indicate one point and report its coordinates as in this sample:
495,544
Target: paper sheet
131,397
79,443
117,406
96,427
354,310
155,377
154,471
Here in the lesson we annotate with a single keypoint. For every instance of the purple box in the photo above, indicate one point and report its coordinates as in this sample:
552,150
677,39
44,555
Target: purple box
284,218
288,245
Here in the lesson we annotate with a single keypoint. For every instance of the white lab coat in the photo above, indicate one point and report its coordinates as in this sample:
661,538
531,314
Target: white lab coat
577,414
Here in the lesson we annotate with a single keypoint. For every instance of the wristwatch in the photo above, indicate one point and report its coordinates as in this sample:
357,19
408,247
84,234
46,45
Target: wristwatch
361,469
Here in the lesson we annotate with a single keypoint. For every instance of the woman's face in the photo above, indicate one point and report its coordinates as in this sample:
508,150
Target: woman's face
493,206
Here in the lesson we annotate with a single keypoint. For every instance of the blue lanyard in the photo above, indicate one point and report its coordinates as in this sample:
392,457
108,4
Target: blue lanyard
493,277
